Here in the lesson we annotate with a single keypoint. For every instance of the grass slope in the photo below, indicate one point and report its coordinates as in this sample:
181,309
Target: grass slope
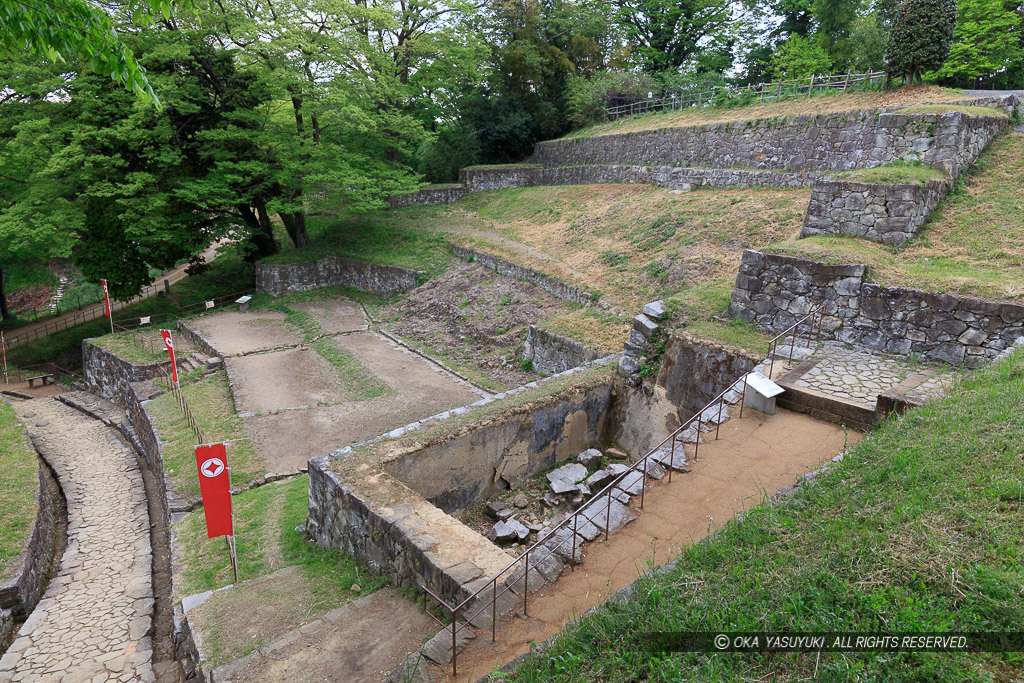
18,483
973,243
920,528
823,103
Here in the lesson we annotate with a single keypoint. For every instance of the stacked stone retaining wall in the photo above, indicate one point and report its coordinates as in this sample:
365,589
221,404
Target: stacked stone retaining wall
106,374
443,194
280,278
552,353
774,291
19,595
827,142
551,285
890,214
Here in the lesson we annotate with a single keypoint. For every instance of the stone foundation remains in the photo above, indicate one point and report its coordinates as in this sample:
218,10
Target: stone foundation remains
775,291
431,194
280,278
551,353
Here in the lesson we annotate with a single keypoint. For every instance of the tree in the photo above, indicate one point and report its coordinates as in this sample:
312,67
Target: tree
834,20
987,41
671,34
799,57
64,29
920,37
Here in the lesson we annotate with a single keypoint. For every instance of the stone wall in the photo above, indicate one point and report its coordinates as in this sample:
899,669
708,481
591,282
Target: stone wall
504,452
890,214
827,142
693,373
279,278
672,177
551,285
107,375
20,594
774,291
551,353
432,194
197,339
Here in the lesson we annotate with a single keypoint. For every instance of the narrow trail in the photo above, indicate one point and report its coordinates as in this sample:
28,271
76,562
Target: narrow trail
95,620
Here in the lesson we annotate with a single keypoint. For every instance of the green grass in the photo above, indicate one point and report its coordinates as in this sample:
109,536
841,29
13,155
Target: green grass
377,238
265,521
360,384
973,243
899,172
226,275
210,401
19,481
947,108
142,347
920,528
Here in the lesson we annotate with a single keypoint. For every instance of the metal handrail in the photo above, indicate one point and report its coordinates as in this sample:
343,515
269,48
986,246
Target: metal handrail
642,463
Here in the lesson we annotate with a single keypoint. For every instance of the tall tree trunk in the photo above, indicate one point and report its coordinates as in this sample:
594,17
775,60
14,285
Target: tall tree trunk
295,224
262,235
4,312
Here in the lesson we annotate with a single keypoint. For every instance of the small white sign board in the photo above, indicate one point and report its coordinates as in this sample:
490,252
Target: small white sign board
243,302
760,393
209,305
144,320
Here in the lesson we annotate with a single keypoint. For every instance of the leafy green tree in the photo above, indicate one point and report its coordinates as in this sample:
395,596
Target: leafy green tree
920,37
799,57
988,40
834,22
672,34
66,29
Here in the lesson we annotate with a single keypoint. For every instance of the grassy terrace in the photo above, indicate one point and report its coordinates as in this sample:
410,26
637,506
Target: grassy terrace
18,483
919,529
825,103
628,243
974,242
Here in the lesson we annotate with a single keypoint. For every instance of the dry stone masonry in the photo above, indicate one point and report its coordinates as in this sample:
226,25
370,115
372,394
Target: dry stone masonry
551,353
280,278
827,142
774,291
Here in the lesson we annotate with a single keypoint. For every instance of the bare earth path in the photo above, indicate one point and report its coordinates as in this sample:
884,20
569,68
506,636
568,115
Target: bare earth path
755,456
93,623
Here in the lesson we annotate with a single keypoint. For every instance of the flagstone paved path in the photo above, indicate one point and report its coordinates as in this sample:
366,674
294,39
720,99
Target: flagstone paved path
94,622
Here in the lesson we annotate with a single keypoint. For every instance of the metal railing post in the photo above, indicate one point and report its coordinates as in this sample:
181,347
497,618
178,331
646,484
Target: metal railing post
743,396
575,526
455,652
696,440
494,611
526,581
718,426
608,515
643,484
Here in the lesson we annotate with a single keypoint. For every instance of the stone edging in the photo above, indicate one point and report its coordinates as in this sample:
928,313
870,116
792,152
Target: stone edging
19,595
551,285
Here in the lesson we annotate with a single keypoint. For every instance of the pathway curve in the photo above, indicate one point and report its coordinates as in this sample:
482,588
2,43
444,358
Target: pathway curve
94,622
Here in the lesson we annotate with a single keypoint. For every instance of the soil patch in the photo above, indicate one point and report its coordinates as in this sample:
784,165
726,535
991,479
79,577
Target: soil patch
474,318
334,316
287,440
755,456
363,641
287,379
232,333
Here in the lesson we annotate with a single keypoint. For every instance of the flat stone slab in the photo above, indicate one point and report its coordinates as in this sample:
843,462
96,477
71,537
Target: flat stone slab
573,472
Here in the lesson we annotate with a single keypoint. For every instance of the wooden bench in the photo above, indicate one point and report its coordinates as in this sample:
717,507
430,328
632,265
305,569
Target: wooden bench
44,379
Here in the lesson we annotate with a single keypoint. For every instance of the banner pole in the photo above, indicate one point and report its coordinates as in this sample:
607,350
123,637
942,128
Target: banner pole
231,543
3,345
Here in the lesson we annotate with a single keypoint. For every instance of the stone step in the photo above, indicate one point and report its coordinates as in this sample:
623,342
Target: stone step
826,407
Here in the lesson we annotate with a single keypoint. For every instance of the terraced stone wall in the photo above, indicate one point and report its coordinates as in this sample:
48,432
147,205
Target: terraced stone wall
443,194
828,142
279,278
774,291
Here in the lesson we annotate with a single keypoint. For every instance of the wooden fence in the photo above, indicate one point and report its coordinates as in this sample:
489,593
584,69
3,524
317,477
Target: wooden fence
761,92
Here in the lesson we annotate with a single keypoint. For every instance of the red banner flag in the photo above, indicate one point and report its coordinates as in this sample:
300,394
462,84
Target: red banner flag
215,486
106,299
166,334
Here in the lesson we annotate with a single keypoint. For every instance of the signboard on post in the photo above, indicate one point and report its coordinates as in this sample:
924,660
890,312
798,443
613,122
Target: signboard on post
169,344
215,487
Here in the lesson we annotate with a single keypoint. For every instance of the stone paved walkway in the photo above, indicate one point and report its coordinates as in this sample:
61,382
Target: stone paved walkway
860,376
93,623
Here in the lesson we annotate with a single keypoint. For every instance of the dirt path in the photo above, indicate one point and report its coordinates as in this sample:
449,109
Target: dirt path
755,457
362,641
233,333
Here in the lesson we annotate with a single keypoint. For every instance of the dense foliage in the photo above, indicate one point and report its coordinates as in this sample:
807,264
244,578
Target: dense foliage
271,109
